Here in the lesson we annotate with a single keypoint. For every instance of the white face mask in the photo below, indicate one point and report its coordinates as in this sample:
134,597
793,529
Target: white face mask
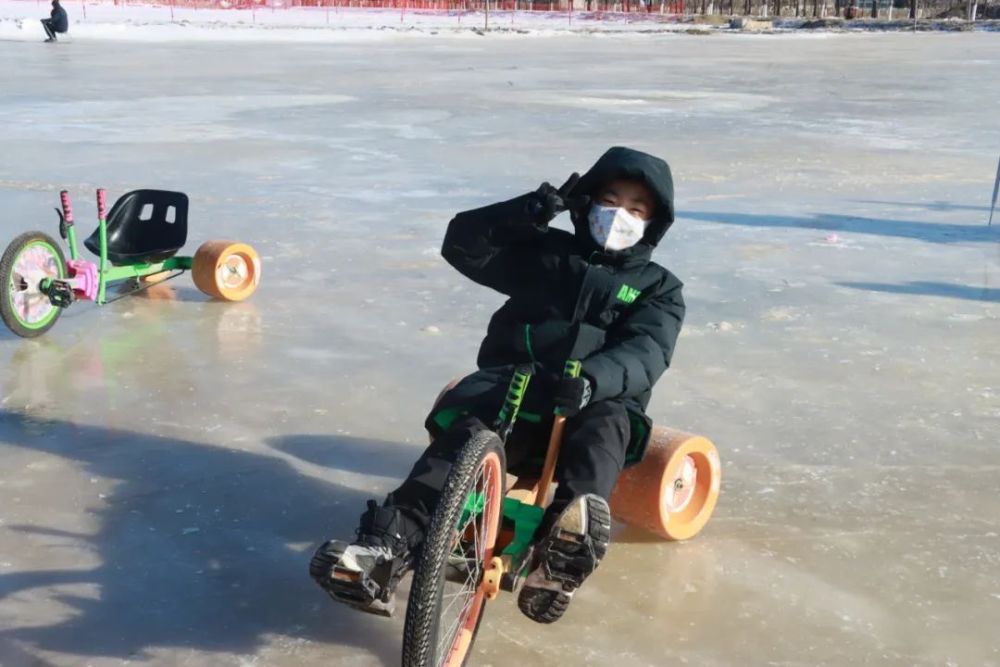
615,228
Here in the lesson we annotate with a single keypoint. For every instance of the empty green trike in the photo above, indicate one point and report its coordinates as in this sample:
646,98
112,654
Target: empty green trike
136,245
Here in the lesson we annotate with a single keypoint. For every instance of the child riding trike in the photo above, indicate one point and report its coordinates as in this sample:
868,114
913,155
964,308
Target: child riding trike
594,295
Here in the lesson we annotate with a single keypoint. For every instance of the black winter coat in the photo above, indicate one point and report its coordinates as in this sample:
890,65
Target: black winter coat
60,21
617,312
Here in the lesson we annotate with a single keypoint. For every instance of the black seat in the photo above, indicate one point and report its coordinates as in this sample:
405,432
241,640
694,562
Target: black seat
144,226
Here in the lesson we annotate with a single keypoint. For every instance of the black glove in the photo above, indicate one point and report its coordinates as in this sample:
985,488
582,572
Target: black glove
546,202
571,396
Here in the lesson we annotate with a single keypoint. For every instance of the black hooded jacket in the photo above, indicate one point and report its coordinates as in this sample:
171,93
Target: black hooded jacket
616,311
60,21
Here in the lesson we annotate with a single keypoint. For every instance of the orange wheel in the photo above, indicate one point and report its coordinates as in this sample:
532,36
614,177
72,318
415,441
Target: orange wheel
226,270
673,491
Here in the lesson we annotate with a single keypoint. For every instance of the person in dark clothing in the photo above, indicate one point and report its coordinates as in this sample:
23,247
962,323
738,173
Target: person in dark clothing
58,21
594,296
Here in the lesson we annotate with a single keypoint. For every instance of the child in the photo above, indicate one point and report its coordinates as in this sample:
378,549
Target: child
57,22
593,296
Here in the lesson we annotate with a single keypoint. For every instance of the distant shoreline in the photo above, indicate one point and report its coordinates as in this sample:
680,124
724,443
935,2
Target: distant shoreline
19,21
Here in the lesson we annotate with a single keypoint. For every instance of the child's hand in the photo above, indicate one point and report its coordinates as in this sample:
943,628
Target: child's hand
547,202
571,395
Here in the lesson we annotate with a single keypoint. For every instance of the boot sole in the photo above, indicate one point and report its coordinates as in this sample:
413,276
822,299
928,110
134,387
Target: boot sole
567,559
351,587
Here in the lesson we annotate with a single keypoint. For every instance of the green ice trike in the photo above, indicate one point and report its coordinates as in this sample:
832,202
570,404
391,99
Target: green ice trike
136,245
482,538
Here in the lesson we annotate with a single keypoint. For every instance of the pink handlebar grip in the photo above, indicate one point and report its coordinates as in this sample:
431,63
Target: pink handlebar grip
101,203
67,209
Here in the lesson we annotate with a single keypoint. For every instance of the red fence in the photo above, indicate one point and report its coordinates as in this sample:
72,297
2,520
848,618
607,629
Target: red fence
626,6
658,11
596,6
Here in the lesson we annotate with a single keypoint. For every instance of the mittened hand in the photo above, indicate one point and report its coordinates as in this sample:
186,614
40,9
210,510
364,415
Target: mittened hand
547,202
571,396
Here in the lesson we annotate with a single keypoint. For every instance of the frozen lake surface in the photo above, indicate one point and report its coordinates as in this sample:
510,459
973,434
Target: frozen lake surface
167,465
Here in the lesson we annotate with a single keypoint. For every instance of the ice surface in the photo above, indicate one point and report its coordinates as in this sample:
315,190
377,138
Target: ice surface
167,465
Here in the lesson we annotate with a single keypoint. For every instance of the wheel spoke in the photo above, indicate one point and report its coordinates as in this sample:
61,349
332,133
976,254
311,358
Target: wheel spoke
464,589
454,628
446,629
34,263
482,486
448,637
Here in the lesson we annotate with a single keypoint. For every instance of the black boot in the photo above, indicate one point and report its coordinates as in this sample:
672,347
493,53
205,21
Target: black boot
572,550
364,574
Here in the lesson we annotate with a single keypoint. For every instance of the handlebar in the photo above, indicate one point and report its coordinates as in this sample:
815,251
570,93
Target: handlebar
67,209
515,395
572,369
512,402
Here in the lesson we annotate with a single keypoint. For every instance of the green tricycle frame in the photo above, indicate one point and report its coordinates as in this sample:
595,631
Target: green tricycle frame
135,244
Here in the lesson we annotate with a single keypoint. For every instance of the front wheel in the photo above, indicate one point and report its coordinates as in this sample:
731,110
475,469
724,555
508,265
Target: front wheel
29,259
445,609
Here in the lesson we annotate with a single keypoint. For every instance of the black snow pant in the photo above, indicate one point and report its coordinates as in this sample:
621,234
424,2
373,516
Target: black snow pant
50,30
590,459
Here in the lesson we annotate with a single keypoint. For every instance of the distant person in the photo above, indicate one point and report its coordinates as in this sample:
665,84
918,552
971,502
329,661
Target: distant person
57,22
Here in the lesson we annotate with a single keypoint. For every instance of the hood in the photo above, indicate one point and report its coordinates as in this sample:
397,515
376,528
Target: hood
626,163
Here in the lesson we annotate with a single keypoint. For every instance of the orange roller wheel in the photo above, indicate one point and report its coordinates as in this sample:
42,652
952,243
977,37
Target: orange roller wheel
673,491
226,270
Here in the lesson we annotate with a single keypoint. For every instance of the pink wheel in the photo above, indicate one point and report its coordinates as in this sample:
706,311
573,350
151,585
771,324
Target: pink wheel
29,262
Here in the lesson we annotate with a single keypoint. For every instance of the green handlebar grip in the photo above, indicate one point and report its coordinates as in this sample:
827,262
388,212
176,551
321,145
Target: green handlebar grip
515,396
573,369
